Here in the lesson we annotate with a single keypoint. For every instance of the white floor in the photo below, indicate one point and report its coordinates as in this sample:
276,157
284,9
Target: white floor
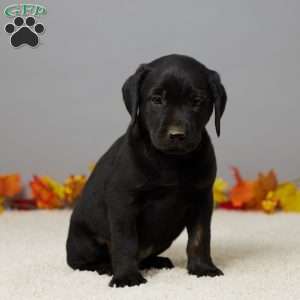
259,254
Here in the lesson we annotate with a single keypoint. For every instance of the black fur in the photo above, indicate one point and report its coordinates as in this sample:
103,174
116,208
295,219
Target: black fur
155,180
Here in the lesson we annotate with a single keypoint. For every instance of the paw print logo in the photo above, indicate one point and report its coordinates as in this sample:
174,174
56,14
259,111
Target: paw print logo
24,31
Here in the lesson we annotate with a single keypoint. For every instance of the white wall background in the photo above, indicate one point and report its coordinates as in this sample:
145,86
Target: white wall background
61,106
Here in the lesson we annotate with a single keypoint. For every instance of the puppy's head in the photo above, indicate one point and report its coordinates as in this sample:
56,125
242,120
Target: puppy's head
174,97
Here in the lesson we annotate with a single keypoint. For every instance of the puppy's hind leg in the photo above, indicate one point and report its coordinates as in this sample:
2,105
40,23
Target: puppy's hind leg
85,253
156,262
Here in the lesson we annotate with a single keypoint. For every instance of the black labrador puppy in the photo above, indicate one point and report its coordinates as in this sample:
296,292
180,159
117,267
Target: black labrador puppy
155,180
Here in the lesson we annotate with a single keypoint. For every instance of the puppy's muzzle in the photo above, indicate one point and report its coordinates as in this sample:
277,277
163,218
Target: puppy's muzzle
176,134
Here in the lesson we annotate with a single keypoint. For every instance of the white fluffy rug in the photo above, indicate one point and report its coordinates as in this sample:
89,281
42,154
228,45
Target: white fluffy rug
259,254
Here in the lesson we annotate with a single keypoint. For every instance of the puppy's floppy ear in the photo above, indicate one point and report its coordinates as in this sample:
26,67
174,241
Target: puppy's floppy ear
219,96
131,91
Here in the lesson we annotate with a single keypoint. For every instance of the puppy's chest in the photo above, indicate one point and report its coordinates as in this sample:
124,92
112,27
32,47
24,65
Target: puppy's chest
164,198
165,206
168,193
162,216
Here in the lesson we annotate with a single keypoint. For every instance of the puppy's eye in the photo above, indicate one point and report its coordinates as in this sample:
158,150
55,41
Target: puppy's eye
197,101
156,99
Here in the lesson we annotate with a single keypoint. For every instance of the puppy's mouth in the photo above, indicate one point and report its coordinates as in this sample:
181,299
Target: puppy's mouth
175,149
178,152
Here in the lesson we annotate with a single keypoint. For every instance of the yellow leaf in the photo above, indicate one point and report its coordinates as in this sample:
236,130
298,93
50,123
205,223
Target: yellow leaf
220,190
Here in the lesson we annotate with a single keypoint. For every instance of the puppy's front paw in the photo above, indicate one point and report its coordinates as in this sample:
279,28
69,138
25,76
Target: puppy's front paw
128,280
204,269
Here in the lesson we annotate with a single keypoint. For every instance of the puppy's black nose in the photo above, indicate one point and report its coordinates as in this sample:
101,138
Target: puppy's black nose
176,134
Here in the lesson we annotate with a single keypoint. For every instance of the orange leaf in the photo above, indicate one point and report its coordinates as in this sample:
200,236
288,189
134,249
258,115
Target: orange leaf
242,193
10,185
43,194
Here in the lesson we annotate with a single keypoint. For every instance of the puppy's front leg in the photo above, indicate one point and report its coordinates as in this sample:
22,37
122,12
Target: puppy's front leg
124,246
198,247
